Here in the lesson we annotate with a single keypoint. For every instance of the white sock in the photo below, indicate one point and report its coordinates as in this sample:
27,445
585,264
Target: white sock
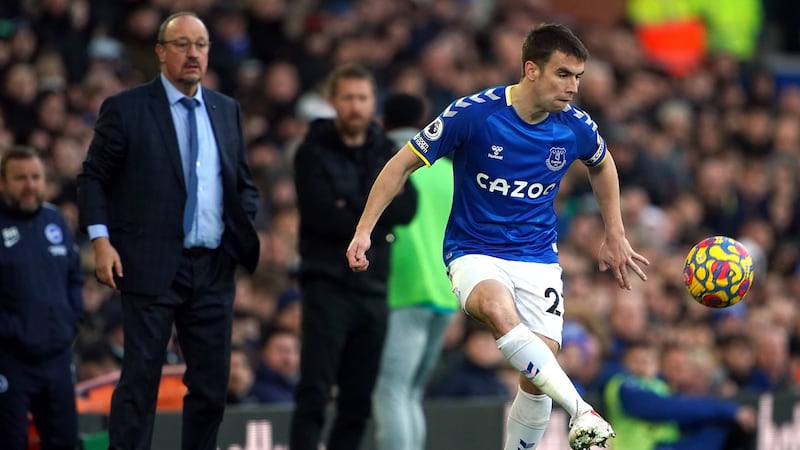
527,420
531,356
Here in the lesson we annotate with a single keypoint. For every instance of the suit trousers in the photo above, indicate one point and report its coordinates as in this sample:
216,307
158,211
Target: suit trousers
200,306
343,335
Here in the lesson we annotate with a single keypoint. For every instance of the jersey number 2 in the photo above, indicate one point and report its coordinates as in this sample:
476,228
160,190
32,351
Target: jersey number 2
552,292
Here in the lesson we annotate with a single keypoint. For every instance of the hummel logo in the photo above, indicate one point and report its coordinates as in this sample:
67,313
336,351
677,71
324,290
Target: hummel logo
496,149
524,445
529,371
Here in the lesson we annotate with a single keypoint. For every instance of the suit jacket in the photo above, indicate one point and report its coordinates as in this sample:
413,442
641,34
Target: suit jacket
132,181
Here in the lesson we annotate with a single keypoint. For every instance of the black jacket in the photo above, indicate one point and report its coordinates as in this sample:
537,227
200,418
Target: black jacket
333,182
41,283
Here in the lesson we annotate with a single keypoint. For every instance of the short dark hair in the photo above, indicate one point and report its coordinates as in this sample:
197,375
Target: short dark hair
640,344
546,38
345,71
162,29
17,152
402,110
269,331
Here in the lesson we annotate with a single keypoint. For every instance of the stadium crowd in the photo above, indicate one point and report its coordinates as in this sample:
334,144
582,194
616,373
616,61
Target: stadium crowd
714,150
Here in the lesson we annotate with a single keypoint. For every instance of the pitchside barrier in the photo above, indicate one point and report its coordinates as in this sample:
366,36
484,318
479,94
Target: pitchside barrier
465,425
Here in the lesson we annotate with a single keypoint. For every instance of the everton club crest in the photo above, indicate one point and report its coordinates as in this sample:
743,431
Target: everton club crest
557,158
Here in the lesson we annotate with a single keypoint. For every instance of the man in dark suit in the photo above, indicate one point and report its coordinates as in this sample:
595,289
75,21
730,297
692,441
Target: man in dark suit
166,192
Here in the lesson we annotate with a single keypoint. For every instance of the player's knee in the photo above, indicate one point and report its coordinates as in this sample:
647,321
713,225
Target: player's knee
496,313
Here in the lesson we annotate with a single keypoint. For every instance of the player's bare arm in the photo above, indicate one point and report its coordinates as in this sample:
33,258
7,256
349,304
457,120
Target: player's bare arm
386,186
616,252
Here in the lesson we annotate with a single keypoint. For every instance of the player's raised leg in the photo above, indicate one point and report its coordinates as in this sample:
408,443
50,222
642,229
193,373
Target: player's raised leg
485,289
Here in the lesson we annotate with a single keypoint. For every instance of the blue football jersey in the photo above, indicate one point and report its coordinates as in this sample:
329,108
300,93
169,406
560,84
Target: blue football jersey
507,173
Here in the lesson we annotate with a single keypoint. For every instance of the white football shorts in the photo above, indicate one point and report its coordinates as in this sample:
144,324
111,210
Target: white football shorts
536,288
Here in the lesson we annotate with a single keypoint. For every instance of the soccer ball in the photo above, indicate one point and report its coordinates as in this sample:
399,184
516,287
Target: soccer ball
718,272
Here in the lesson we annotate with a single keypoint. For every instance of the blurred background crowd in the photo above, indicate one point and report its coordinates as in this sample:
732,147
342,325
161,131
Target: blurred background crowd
699,102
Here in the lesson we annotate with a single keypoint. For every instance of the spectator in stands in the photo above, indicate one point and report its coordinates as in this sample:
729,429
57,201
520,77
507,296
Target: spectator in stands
289,314
233,46
246,328
241,378
138,30
277,368
94,360
477,373
649,417
689,369
581,356
266,285
18,100
113,333
628,320
737,358
772,356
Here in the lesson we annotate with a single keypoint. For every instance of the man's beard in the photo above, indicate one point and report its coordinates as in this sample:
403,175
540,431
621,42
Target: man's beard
27,206
353,126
